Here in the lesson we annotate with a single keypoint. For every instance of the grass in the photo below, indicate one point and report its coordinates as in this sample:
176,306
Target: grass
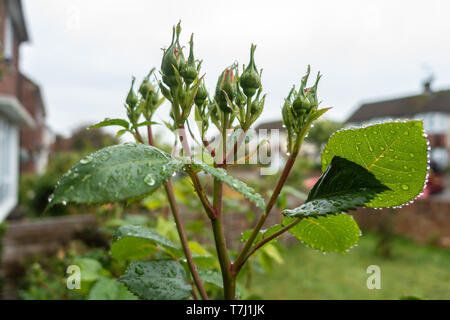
413,270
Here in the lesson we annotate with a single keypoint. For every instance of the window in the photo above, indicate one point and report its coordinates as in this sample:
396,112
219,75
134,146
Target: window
8,44
8,166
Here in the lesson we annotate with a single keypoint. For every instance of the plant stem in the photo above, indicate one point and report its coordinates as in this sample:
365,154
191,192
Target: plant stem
271,237
150,136
273,199
210,210
229,280
184,243
221,246
243,254
181,233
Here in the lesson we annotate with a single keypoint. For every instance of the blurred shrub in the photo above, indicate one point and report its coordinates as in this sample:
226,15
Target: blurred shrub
34,190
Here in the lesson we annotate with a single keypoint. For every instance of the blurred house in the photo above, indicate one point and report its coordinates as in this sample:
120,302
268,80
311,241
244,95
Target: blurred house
24,137
433,107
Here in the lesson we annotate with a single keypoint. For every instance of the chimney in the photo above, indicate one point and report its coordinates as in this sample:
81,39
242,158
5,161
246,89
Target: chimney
427,85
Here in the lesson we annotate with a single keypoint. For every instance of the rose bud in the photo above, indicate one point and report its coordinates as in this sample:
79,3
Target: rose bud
226,86
132,99
201,95
189,71
250,79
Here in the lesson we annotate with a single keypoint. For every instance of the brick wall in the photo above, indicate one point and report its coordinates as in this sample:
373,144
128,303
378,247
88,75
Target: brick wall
32,139
28,93
9,81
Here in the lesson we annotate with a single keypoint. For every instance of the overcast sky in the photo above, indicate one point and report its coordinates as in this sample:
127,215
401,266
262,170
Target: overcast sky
83,52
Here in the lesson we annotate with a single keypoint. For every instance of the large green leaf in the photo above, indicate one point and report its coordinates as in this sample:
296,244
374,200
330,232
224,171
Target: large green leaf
157,280
343,186
332,233
136,242
222,175
395,152
115,173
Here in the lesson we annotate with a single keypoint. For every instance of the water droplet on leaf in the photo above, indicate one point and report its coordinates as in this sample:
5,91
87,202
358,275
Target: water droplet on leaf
149,180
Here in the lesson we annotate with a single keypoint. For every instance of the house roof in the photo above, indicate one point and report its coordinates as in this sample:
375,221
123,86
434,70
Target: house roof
438,101
271,125
16,11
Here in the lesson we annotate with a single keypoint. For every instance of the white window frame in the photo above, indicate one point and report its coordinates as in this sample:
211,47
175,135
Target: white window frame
8,40
9,166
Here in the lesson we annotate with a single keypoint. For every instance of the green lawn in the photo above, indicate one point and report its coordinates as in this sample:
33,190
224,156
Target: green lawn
413,270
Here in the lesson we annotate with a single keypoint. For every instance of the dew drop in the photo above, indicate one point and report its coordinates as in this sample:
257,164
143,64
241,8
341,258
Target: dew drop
86,159
411,155
149,180
405,187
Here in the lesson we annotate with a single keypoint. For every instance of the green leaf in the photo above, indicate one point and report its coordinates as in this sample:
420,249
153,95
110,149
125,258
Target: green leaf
318,113
213,277
157,280
111,122
109,289
201,256
327,233
222,175
134,242
343,186
115,173
146,123
121,132
90,269
395,152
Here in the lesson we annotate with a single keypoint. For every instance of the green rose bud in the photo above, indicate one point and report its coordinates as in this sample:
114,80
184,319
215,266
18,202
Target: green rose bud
172,58
226,86
189,71
201,95
146,87
132,99
250,79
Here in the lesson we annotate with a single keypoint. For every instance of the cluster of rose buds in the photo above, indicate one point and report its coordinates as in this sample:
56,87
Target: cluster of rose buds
236,97
151,98
234,93
299,108
145,102
180,82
